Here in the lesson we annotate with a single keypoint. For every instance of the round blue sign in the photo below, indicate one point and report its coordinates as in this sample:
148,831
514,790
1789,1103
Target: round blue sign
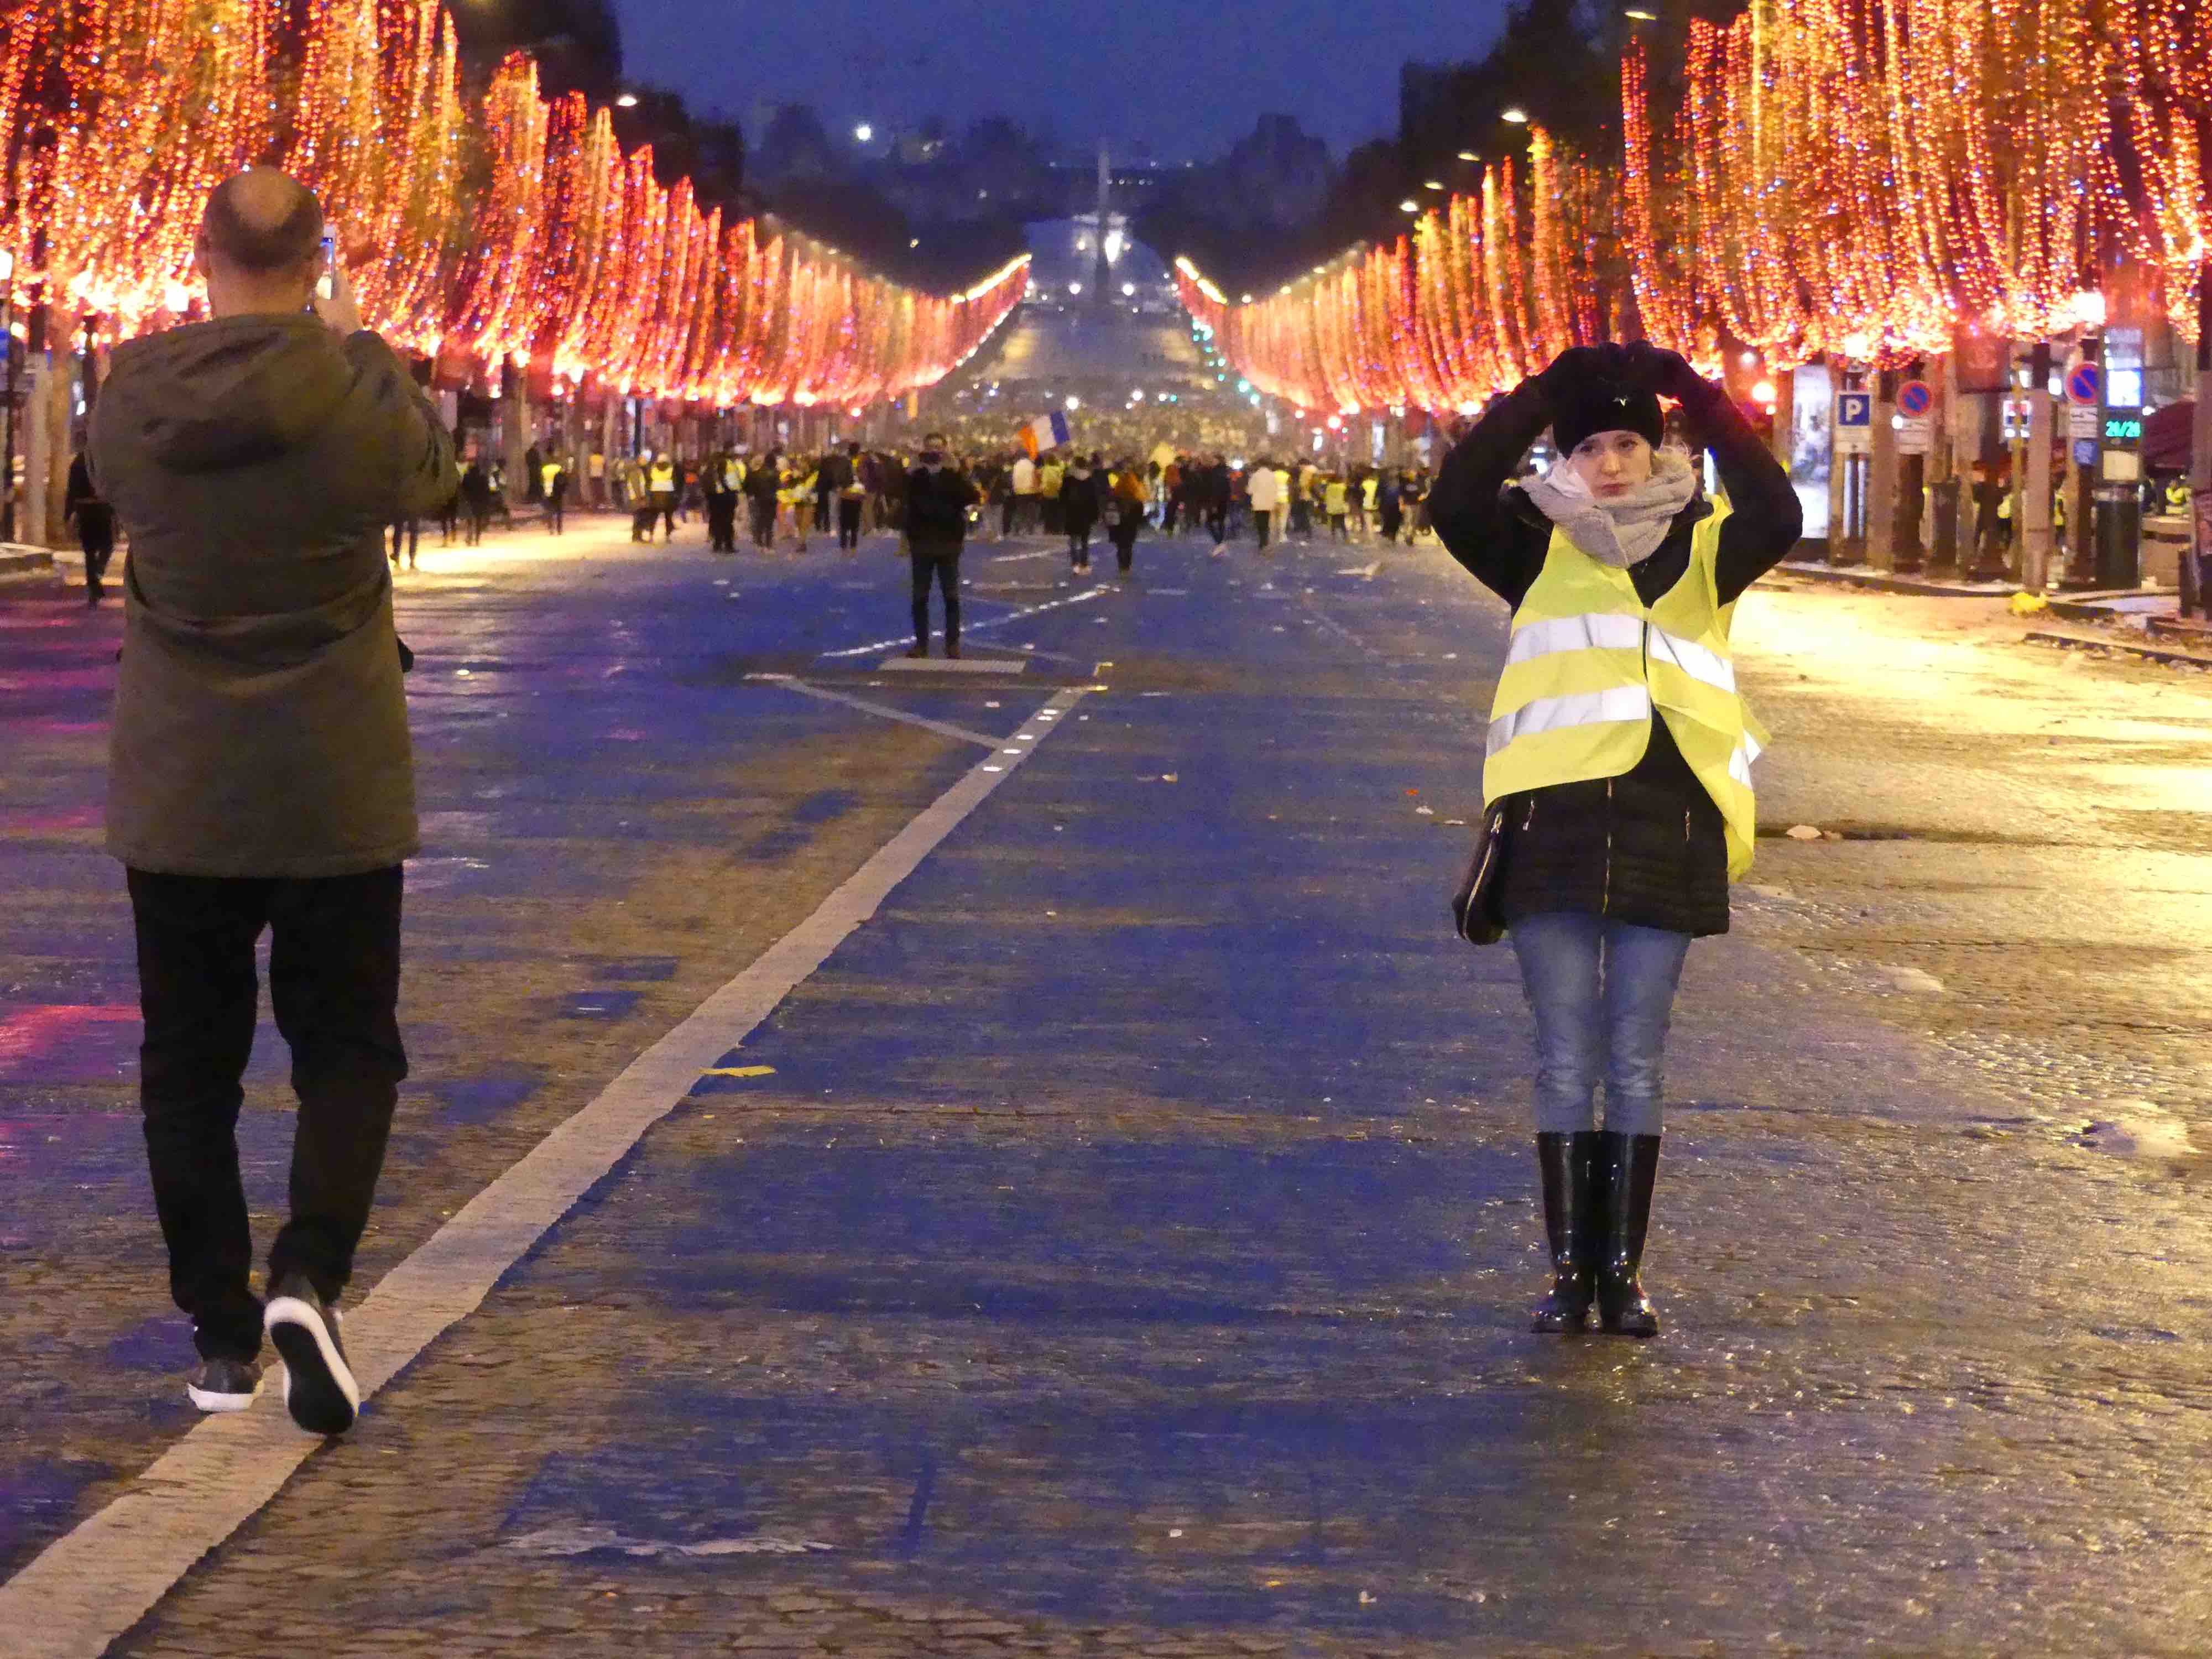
1915,398
2085,452
2084,384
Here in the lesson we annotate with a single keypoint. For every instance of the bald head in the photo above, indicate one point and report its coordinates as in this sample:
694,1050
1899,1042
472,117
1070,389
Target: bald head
262,222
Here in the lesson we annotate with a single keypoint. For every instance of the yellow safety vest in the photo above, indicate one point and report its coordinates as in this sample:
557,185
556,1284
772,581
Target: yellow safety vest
1590,661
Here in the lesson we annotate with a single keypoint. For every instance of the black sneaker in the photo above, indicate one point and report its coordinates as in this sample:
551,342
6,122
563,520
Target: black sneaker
318,1387
224,1385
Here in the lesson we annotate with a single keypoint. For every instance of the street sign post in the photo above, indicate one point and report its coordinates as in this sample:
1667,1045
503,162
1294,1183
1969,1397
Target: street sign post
1854,422
2085,385
1915,436
2084,421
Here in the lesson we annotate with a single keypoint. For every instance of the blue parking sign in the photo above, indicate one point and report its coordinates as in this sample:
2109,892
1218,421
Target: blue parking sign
1855,409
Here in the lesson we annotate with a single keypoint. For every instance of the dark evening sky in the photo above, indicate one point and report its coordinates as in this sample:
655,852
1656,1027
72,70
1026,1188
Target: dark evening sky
1190,78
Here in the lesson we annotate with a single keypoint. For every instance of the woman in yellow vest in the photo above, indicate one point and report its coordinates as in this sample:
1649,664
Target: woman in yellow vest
1619,768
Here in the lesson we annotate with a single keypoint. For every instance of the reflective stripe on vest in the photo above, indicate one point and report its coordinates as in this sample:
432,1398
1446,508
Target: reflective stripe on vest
1588,664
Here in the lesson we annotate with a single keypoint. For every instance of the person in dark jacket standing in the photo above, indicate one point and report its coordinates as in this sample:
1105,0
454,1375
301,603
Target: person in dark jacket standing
841,478
1618,769
1079,508
96,527
937,497
261,773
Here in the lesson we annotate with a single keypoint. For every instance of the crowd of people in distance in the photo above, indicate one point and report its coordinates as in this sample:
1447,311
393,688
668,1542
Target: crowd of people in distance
780,501
1181,493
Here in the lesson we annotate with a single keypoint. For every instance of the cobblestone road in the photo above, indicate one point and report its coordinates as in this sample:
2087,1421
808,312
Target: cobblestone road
1125,1248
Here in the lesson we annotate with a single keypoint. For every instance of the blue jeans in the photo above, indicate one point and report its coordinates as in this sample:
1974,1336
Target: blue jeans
1602,992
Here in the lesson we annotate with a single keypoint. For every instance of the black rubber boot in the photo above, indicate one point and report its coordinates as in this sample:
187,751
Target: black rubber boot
1568,1165
1632,1164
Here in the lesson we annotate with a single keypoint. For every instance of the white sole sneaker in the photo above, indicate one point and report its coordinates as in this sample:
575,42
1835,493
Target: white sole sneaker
220,1402
319,1390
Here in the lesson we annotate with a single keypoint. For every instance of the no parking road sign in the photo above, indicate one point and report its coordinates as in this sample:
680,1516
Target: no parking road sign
1915,398
2085,385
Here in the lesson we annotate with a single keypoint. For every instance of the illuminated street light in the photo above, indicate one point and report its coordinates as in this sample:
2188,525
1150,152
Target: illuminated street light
863,133
1516,114
2089,309
627,101
1074,402
1409,206
1765,394
1432,184
1075,288
1468,155
1129,288
1640,16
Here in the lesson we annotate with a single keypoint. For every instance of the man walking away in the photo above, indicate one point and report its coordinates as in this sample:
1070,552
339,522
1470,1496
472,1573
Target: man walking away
96,527
938,498
1265,495
760,487
1125,514
555,477
407,533
661,482
260,772
533,476
476,497
851,496
1024,519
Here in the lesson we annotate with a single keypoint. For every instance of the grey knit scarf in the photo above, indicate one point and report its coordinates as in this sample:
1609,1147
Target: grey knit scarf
1625,530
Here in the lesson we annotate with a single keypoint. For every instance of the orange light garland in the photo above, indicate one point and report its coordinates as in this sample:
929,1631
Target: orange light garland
564,255
1858,177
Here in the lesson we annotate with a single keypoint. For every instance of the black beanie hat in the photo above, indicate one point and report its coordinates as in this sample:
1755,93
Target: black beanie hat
1606,406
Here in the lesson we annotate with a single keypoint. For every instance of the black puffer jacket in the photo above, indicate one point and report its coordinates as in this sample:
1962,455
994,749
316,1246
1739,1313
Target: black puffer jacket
1647,848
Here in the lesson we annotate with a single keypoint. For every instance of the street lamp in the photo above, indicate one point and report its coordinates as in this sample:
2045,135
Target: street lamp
1516,114
626,100
1407,206
1639,15
863,134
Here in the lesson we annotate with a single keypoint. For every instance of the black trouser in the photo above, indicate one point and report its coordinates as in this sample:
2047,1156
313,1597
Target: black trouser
1079,541
1216,524
1125,536
722,523
664,509
939,562
848,521
334,985
555,506
95,533
1262,517
1006,518
478,516
763,520
407,533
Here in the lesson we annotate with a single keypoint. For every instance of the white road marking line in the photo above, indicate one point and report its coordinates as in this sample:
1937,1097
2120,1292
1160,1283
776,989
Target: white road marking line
88,1586
994,622
967,734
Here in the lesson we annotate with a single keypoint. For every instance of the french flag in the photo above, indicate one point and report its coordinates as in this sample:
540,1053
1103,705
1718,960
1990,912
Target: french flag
1046,432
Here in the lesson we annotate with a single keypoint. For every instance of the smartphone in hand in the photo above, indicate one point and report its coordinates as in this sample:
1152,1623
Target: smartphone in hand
325,283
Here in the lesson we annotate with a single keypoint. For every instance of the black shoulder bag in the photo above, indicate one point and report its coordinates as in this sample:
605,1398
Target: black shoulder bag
1475,915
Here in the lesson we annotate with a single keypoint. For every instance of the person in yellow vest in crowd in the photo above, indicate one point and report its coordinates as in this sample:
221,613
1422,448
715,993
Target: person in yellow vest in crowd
638,497
661,485
2177,495
1052,472
1617,777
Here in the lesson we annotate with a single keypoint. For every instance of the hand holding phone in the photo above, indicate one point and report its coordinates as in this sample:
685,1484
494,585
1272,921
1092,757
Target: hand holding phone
326,264
334,301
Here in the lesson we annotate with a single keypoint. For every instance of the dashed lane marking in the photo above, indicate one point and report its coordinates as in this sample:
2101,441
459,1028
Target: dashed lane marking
881,710
88,1586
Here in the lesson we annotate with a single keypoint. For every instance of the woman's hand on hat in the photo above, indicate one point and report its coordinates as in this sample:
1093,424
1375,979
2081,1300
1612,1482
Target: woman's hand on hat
1652,368
1574,367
